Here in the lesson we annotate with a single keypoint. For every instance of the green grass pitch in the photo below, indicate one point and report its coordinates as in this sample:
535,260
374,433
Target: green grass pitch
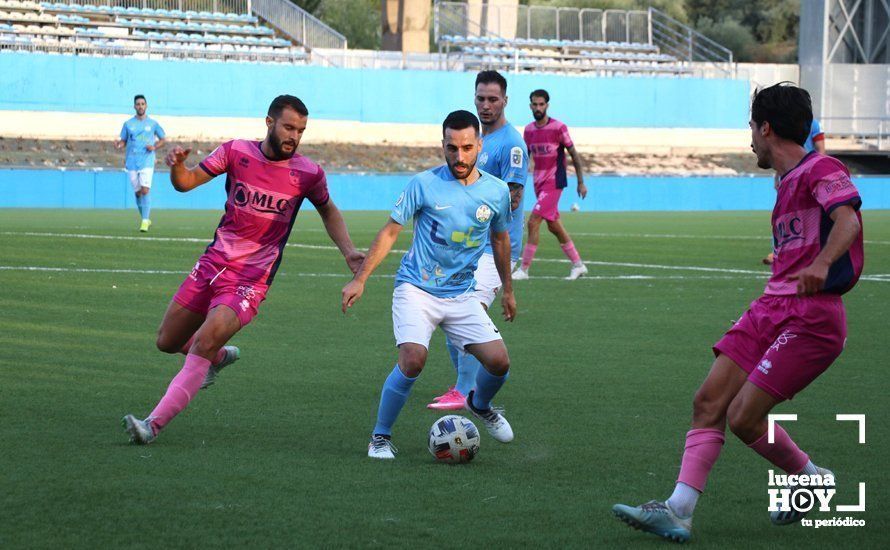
273,455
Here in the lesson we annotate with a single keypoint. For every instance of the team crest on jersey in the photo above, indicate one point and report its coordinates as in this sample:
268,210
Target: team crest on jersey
483,159
483,213
516,157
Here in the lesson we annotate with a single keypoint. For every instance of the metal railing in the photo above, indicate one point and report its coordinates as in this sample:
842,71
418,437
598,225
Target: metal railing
298,24
219,6
540,23
870,131
685,43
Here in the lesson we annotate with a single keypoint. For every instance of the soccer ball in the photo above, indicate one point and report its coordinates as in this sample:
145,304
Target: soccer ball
454,439
575,207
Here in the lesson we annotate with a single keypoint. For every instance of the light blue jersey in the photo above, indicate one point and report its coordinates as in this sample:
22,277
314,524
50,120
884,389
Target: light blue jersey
505,155
451,225
815,130
138,134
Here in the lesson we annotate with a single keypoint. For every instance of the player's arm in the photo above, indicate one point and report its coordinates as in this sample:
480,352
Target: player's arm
184,178
579,171
381,246
811,279
500,248
337,231
122,139
516,192
819,144
158,145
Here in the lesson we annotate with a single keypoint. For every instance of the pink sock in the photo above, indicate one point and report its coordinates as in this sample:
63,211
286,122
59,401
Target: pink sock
702,449
181,390
220,355
528,254
784,453
569,249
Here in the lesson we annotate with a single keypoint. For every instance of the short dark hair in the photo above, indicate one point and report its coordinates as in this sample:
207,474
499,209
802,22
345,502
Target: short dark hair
459,120
539,93
787,108
279,103
492,77
137,97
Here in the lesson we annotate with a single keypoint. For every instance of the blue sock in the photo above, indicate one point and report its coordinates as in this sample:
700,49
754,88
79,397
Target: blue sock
487,385
146,207
466,372
395,392
139,204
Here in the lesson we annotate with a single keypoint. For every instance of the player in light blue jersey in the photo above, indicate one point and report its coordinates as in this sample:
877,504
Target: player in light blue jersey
142,136
454,207
504,154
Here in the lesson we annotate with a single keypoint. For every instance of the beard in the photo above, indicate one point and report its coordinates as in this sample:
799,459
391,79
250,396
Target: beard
277,147
539,115
469,168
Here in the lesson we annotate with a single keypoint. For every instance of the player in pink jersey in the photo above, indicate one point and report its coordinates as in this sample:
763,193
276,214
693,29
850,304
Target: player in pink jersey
547,140
788,336
266,182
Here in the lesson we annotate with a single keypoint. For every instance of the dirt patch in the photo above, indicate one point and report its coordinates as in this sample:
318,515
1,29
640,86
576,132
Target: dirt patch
339,157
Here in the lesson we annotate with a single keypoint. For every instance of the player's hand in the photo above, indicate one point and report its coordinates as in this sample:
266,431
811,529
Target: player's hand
354,260
119,144
811,279
150,148
177,155
351,293
582,190
508,303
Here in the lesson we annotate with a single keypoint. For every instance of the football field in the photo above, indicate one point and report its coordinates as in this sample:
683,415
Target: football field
274,455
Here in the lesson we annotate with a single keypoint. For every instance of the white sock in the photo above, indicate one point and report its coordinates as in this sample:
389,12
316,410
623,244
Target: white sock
810,469
683,500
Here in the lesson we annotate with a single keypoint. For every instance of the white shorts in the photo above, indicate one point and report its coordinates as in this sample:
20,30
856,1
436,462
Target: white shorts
416,314
140,178
488,282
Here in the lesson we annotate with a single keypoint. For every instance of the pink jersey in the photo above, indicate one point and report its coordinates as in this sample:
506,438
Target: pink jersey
264,197
546,145
801,223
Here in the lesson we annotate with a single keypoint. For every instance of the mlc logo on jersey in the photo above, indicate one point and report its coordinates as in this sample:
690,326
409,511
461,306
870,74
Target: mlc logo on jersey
257,200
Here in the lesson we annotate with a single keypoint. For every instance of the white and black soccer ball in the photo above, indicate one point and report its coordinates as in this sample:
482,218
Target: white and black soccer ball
454,439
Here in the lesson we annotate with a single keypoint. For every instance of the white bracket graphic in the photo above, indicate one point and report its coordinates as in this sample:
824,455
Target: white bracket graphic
860,418
771,425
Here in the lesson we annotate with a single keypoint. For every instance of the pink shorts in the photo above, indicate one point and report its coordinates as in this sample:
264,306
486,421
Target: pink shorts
786,342
548,203
210,285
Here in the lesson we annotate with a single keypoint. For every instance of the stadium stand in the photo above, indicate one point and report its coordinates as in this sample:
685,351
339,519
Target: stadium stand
570,40
104,30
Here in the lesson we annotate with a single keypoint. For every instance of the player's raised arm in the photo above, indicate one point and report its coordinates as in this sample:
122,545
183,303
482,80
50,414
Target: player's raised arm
184,178
337,231
381,246
500,248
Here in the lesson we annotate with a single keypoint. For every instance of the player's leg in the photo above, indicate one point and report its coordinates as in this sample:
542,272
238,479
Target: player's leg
568,247
531,246
468,325
488,283
490,377
178,327
220,325
145,177
672,519
133,178
415,316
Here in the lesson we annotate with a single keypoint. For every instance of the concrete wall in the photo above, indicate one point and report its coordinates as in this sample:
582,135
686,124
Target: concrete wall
88,189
